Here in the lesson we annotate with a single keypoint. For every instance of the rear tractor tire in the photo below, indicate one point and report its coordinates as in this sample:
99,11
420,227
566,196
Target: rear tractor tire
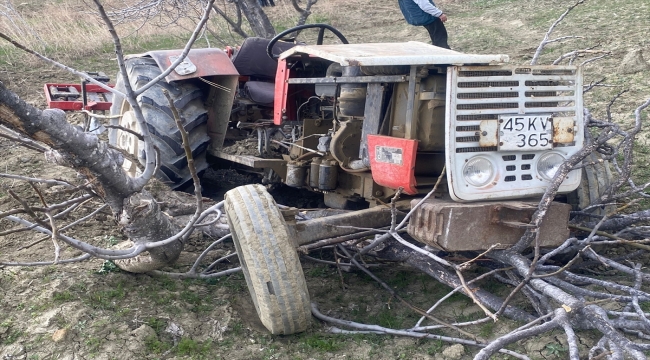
268,260
188,99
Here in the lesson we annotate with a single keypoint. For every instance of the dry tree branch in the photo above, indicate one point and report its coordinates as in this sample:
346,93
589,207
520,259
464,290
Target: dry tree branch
394,294
546,40
236,25
376,329
192,273
304,13
37,180
17,138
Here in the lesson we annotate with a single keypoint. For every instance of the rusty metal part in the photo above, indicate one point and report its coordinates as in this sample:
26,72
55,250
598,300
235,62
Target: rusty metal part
350,80
296,173
313,172
309,140
453,226
346,141
219,105
488,133
209,62
563,130
373,114
327,175
352,98
430,113
329,227
278,165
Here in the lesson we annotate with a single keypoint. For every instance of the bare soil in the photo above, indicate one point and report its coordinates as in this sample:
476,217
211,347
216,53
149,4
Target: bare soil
90,310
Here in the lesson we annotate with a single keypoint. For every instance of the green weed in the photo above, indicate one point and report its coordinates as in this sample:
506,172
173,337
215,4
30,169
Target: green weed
555,349
106,299
93,343
167,283
108,267
12,337
155,346
487,330
62,296
435,347
323,343
158,325
111,240
189,347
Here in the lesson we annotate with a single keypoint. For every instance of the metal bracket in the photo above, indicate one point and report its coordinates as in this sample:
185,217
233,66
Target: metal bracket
184,68
513,216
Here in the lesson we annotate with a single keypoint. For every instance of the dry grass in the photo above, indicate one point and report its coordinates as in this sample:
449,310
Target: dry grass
73,29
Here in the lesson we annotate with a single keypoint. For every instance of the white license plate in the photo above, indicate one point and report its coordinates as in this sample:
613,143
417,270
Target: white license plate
525,132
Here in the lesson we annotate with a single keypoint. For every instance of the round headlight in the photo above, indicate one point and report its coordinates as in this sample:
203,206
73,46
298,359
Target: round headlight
548,164
478,171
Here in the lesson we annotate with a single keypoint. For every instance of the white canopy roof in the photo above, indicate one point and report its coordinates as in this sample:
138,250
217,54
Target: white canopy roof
406,53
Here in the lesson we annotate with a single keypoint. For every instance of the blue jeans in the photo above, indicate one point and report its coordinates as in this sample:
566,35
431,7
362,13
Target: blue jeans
438,33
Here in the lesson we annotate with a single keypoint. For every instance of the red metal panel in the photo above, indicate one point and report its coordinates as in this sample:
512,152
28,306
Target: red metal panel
208,62
76,104
392,162
281,91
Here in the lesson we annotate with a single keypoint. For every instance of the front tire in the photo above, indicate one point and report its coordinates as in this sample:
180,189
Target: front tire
268,260
597,177
188,99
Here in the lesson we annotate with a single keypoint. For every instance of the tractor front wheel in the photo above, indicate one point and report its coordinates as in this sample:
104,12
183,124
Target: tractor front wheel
268,260
597,177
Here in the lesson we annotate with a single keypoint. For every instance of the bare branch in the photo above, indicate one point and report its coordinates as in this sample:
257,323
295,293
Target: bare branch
545,41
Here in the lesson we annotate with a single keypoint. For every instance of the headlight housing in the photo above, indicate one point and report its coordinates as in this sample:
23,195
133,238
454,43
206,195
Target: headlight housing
478,171
548,165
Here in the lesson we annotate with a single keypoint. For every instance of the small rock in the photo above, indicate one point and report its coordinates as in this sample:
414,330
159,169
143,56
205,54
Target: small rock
60,335
633,62
143,332
140,336
454,352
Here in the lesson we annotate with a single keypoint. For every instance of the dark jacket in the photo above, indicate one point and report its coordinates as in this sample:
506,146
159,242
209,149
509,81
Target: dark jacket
414,15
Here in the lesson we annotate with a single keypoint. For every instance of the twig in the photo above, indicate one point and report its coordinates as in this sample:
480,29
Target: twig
382,330
393,293
37,180
545,41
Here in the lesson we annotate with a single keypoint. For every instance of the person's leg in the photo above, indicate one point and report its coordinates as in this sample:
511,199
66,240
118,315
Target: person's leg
438,33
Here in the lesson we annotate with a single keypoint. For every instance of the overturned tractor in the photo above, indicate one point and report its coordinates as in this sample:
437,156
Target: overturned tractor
358,123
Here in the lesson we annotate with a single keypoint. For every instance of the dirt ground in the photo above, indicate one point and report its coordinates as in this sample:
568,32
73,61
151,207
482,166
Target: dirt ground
90,310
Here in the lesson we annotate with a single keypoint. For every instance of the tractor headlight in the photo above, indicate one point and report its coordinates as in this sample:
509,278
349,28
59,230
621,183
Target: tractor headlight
548,165
478,171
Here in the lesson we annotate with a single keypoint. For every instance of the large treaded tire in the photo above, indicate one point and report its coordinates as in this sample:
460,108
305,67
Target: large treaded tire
188,99
268,259
597,177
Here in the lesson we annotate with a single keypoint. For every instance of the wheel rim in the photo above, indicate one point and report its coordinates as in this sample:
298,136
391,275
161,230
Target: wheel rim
129,142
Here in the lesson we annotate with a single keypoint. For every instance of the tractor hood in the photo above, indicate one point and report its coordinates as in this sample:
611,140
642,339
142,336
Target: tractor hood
380,54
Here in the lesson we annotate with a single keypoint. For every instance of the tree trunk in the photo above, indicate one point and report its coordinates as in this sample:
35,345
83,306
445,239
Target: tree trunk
259,22
134,209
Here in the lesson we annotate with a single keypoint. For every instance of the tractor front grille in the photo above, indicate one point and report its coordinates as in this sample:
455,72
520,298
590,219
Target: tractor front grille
483,93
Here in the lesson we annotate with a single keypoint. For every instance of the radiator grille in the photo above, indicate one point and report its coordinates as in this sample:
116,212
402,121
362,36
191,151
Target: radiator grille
529,91
480,94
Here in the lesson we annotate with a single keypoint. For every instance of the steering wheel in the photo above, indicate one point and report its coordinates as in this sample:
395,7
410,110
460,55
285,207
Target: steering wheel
321,33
